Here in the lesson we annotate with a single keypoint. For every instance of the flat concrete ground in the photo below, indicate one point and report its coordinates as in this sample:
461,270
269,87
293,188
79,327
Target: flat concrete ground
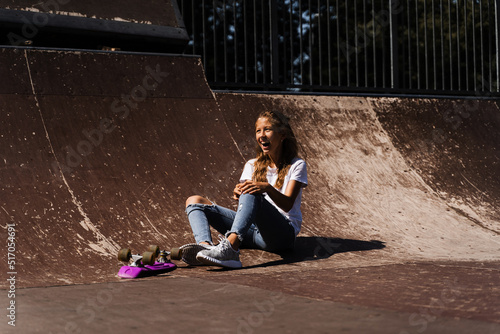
392,298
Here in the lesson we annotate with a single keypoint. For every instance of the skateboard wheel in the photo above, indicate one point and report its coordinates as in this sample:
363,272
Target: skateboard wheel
124,254
148,258
154,249
175,254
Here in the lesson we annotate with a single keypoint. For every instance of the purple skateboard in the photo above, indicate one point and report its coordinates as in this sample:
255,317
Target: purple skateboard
146,270
144,265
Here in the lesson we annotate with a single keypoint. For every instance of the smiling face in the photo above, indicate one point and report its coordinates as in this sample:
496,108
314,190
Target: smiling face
268,138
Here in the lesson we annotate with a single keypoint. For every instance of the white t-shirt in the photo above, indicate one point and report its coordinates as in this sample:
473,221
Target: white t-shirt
297,172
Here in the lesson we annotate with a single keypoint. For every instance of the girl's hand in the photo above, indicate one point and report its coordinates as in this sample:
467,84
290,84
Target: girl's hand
252,187
237,191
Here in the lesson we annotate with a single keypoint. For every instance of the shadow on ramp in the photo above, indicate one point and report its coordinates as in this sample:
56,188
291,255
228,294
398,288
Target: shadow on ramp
318,248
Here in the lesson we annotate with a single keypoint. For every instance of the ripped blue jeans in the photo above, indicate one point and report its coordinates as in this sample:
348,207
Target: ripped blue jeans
258,224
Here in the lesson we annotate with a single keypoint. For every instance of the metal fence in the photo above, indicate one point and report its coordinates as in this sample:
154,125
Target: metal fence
448,47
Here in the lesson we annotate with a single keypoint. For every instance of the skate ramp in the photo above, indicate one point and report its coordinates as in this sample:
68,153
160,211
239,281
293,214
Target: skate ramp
455,146
370,179
128,25
101,150
161,13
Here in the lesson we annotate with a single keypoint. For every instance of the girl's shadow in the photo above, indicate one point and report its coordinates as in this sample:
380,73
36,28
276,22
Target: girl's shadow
316,248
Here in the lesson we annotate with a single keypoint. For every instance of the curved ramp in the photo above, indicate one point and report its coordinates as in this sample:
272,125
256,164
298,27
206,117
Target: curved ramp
366,186
102,149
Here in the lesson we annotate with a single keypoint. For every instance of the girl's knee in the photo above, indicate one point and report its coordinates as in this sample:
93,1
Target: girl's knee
196,199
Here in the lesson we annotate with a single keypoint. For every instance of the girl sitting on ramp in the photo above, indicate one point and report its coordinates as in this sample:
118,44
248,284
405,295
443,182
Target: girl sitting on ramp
269,196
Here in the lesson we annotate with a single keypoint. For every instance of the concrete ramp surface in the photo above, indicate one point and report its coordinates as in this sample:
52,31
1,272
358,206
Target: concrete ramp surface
370,180
101,150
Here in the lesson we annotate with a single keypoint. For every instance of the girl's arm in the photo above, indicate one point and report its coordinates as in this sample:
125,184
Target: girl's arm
284,201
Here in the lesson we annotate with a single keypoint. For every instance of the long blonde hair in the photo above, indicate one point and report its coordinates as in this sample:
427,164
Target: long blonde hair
289,150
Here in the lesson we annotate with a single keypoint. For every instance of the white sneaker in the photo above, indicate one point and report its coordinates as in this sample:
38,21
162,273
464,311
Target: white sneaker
222,255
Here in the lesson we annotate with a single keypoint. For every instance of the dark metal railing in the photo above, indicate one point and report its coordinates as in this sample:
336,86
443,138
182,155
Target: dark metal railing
361,46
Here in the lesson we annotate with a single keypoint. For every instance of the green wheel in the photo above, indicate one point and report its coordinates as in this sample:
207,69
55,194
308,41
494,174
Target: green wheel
148,258
124,254
154,249
175,254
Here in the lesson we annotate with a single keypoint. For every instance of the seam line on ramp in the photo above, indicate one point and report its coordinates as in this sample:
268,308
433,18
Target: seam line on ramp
87,224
